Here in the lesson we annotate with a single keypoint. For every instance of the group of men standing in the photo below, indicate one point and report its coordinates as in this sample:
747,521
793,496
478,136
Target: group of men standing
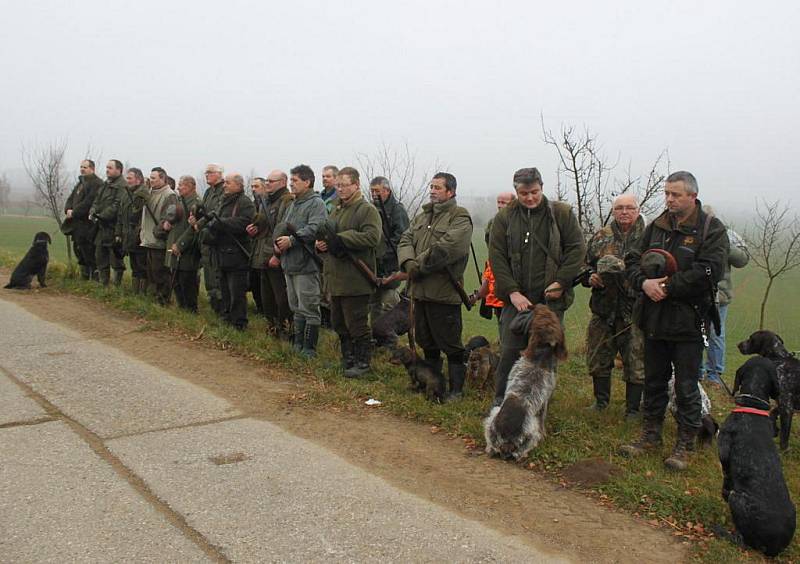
299,251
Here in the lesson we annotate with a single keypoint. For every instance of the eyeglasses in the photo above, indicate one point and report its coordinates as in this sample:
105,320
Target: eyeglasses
342,185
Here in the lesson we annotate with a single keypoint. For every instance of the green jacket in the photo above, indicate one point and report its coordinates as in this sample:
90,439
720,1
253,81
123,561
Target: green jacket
80,202
738,257
227,233
270,211
615,299
105,209
701,264
129,217
446,229
358,225
184,237
511,252
395,224
211,201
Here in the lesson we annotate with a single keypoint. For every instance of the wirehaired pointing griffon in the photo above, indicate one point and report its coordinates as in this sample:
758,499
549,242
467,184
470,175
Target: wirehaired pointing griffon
518,424
34,263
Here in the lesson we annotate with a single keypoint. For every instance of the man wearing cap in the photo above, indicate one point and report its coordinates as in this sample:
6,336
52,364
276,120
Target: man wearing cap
610,329
536,249
434,252
679,261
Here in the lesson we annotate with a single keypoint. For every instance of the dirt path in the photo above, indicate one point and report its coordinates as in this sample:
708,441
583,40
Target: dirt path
404,453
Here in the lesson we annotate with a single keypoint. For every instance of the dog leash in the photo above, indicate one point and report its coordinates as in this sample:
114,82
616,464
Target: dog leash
751,410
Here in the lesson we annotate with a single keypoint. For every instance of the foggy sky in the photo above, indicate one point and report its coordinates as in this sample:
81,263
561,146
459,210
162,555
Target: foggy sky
263,85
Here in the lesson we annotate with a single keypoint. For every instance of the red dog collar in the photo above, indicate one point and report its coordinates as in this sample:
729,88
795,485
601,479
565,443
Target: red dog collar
752,410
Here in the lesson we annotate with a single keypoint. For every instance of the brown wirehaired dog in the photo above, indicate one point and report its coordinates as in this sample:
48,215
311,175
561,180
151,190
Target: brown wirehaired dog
518,424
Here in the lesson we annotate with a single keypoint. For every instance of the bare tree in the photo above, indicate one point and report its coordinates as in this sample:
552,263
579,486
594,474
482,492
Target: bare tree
45,167
399,165
774,239
5,194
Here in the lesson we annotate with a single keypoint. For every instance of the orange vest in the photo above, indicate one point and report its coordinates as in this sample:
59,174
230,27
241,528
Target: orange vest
491,299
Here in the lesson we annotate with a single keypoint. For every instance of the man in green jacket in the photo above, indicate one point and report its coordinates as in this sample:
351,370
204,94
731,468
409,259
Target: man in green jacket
154,232
677,305
129,223
211,199
104,212
76,221
183,255
350,235
271,208
536,249
434,253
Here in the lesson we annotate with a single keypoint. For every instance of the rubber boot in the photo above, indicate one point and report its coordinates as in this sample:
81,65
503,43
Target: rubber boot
346,346
684,446
86,273
649,440
140,285
118,277
299,333
456,373
602,393
95,275
363,356
633,399
105,277
311,336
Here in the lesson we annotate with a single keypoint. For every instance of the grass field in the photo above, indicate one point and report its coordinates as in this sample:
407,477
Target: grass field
685,504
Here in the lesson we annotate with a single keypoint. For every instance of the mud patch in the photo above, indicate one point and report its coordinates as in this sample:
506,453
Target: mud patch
591,472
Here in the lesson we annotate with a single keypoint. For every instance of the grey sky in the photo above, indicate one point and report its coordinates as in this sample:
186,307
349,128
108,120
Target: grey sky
262,85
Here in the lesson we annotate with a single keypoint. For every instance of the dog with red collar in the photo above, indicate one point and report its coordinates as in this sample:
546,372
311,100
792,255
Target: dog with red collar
753,482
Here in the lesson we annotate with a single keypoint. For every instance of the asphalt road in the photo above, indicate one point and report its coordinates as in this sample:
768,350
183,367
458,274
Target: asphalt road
106,458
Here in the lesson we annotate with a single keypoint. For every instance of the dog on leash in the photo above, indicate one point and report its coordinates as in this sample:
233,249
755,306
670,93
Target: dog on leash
753,483
34,263
481,363
708,425
770,346
517,425
425,377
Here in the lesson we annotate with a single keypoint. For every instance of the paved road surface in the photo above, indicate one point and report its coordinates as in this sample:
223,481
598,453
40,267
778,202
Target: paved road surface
106,458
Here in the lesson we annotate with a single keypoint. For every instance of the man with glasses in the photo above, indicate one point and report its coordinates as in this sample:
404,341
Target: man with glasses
434,251
208,259
350,235
271,205
610,329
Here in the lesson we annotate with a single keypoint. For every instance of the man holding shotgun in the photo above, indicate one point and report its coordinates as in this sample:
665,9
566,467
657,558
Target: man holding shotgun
434,252
350,236
294,244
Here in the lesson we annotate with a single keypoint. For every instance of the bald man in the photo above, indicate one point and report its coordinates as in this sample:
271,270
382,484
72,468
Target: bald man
610,329
272,201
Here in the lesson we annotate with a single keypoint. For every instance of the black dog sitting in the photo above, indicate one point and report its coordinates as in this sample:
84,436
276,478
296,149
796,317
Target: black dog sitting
34,263
753,483
770,346
425,377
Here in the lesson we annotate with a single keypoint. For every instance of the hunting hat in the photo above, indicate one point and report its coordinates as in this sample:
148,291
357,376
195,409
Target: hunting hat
67,226
529,175
610,264
521,322
657,263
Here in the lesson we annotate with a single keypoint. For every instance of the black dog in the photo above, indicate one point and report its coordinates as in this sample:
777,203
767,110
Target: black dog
770,346
753,483
34,263
392,324
425,377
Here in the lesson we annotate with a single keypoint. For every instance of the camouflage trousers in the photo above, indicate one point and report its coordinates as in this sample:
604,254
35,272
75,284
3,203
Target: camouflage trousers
604,341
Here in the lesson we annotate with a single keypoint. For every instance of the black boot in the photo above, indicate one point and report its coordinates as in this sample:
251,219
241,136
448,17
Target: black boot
105,277
456,373
602,393
363,356
348,359
684,446
299,333
118,277
633,399
310,341
86,272
650,439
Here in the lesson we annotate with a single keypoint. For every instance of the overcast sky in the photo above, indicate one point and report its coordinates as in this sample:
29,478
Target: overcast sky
262,85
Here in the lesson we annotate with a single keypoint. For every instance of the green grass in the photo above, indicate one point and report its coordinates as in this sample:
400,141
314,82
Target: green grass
678,502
